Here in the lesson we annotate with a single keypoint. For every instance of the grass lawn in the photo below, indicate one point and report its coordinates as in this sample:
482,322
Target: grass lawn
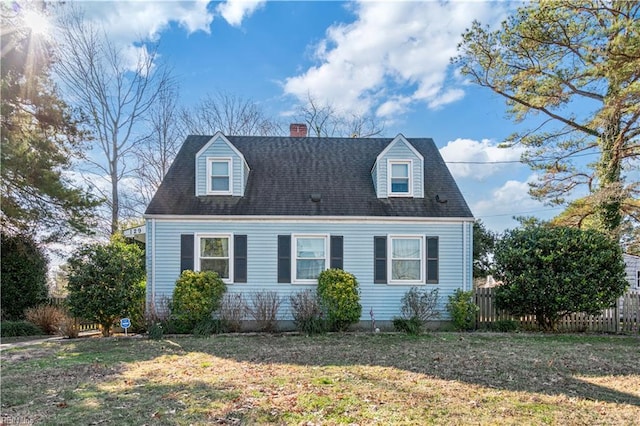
442,378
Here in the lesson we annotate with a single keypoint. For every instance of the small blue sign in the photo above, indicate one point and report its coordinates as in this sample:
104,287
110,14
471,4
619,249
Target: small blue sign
125,323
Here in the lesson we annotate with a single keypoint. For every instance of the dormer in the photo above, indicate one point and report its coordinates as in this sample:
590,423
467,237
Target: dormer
220,168
399,171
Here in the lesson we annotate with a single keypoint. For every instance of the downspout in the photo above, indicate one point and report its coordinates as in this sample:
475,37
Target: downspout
153,263
464,256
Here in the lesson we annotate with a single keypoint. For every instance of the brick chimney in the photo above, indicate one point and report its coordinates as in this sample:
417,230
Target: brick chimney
298,130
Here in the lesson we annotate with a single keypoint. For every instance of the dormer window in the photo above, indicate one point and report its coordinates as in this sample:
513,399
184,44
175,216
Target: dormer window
400,172
219,171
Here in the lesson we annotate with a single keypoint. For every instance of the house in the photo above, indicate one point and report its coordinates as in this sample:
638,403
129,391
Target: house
270,213
632,271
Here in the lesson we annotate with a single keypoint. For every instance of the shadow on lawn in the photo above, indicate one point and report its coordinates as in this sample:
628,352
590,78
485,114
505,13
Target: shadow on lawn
552,365
98,384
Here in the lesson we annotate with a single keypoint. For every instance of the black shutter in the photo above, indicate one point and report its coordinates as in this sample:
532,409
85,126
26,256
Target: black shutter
336,252
284,258
240,259
432,260
380,260
186,252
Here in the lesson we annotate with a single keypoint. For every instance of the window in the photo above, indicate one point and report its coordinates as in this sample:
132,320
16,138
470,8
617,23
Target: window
219,172
214,255
405,256
310,257
400,178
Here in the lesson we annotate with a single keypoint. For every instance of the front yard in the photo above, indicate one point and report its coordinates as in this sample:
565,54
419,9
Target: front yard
442,378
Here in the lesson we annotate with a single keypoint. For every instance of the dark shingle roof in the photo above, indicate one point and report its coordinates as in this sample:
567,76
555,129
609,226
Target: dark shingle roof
286,171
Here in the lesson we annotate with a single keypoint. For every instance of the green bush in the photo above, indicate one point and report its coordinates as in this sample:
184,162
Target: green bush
411,326
155,331
106,282
307,314
208,327
551,272
24,275
463,310
19,328
504,326
339,298
418,307
196,296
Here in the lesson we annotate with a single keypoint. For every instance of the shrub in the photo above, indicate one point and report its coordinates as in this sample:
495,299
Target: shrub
551,272
232,312
418,307
196,296
106,282
339,298
47,317
19,328
155,331
463,310
69,327
24,275
306,311
504,326
412,326
264,309
208,327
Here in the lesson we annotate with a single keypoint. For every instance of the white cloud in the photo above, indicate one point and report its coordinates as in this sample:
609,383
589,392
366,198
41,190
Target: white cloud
129,21
392,49
509,200
234,11
481,154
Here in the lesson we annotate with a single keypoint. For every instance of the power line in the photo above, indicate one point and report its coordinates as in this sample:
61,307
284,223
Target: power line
519,161
517,213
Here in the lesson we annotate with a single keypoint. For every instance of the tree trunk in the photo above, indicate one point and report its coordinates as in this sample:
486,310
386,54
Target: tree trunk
608,207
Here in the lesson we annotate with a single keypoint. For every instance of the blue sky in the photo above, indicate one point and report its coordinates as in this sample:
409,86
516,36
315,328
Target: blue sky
390,59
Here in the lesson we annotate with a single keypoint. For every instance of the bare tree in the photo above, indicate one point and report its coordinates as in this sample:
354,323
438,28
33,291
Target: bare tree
229,114
113,93
324,120
157,149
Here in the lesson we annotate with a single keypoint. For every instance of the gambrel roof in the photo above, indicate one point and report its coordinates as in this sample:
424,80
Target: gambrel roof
285,172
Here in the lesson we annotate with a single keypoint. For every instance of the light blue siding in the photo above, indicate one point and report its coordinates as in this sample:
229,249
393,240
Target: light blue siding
221,149
262,240
399,150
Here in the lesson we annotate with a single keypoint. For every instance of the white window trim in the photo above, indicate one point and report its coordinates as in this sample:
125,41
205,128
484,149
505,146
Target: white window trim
391,162
231,253
210,161
294,256
423,266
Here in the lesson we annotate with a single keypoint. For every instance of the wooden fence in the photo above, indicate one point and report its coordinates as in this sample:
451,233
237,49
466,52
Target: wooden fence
84,325
623,318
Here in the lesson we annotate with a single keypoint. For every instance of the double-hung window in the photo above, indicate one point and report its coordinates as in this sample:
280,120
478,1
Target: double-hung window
400,178
219,176
214,255
310,257
406,259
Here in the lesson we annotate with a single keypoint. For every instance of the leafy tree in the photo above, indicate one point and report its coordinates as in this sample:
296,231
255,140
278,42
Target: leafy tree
484,242
551,272
106,281
40,137
24,275
543,60
339,297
